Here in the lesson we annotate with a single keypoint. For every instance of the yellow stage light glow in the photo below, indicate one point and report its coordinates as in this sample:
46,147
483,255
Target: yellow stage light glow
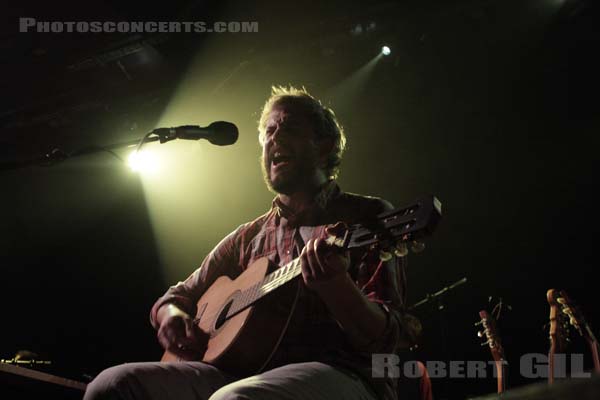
143,161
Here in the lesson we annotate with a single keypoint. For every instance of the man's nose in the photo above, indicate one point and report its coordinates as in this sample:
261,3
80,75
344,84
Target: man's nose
279,135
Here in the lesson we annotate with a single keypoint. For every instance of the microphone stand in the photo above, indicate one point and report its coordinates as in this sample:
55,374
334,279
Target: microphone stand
57,155
438,297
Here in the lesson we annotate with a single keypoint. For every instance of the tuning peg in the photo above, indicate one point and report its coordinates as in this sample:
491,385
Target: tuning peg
417,247
479,334
385,255
401,250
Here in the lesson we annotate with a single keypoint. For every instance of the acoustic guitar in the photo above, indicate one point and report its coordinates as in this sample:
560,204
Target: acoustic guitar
246,318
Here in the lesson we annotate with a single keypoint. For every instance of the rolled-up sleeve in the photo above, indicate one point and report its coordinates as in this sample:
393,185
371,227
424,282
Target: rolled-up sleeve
222,260
383,283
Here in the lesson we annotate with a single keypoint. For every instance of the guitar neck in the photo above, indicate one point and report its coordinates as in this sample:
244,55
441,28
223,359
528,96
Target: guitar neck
41,376
501,370
268,284
586,332
556,334
493,342
594,350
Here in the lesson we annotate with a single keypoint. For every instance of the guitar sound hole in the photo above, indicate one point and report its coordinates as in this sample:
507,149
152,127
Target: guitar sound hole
222,318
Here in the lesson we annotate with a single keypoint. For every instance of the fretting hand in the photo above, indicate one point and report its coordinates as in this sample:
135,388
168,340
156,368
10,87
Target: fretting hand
323,264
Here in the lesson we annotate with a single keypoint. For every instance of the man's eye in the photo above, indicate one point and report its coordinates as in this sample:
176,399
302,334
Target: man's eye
290,127
285,127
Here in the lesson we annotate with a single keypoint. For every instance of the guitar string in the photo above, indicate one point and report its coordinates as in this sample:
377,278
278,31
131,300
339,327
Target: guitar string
248,297
269,286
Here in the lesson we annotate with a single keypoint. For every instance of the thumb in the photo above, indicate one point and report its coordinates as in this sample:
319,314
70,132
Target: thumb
190,328
337,229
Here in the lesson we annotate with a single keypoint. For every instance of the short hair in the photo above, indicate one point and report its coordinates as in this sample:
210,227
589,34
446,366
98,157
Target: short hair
324,121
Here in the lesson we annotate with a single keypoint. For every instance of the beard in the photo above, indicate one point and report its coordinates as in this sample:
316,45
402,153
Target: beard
290,180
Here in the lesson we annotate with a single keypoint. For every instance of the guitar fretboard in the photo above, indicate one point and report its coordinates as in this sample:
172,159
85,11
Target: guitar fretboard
269,283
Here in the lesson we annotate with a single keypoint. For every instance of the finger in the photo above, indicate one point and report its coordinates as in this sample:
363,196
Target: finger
182,352
167,341
162,341
190,328
196,339
173,337
320,252
165,335
337,229
313,262
307,274
332,259
186,348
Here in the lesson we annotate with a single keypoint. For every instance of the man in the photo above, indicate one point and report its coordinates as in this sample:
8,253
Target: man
351,305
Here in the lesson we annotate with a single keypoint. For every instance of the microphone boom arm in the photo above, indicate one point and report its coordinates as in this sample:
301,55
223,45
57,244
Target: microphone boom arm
220,133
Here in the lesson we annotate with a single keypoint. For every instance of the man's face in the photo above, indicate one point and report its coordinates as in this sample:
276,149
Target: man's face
290,154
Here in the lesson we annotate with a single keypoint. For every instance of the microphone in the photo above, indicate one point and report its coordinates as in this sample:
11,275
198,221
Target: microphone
221,133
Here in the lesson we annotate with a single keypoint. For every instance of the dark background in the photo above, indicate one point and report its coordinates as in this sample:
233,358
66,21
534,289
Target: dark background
490,105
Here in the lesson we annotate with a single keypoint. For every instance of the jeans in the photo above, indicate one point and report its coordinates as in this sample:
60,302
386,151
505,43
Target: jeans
200,381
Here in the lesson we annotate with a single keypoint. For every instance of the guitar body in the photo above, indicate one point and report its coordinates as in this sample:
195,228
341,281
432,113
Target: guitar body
244,343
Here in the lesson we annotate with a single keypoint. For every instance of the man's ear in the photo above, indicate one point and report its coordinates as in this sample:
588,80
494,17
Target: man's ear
325,148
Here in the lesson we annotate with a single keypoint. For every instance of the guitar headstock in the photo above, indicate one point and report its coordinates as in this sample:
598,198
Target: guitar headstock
569,314
394,232
490,334
559,322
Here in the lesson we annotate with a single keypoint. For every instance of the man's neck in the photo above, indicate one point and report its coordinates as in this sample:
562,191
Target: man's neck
300,200
297,202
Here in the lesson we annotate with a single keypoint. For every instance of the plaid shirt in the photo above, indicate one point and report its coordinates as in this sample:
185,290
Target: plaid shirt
313,335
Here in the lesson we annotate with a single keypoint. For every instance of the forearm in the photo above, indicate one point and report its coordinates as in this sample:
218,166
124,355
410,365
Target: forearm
222,260
361,320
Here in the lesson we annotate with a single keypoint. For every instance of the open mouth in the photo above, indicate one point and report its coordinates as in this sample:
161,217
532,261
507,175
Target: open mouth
280,159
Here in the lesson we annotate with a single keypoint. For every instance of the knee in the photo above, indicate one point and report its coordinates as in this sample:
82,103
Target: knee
246,389
110,383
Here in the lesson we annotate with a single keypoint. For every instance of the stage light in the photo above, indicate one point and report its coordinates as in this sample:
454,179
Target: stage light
356,30
143,161
386,51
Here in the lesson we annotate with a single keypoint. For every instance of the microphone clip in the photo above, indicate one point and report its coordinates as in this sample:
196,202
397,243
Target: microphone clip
165,134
